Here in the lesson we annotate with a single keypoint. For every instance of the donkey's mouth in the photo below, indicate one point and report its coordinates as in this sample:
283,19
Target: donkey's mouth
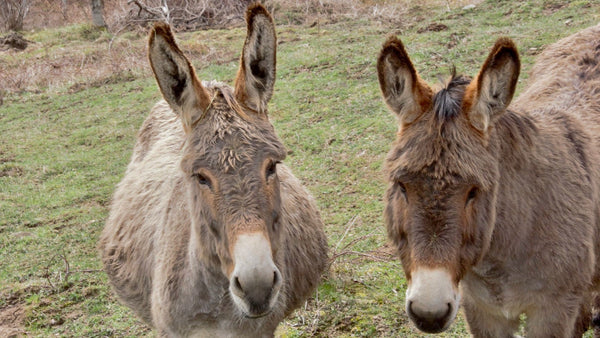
256,316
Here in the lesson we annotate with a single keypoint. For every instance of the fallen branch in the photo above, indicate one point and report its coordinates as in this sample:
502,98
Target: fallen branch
64,278
346,249
373,254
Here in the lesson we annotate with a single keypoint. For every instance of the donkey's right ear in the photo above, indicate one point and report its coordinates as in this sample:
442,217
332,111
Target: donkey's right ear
489,94
256,75
402,88
176,77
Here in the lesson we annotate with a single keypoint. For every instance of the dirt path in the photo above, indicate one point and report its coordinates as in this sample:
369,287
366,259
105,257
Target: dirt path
11,321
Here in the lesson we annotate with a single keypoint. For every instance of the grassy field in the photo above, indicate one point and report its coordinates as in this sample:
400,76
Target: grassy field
66,139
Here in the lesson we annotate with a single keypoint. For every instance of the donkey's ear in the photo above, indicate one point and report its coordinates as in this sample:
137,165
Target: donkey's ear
489,94
256,76
175,76
402,88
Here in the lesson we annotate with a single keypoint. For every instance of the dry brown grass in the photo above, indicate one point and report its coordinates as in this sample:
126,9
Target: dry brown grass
81,56
223,13
75,65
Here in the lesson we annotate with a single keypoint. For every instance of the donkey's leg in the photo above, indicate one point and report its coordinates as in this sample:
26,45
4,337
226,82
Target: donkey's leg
483,324
554,319
596,315
584,320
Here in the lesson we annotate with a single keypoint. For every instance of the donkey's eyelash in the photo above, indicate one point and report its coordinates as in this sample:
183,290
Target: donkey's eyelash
472,194
401,186
272,168
202,180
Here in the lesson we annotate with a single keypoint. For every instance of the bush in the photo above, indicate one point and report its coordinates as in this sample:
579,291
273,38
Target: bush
13,12
187,14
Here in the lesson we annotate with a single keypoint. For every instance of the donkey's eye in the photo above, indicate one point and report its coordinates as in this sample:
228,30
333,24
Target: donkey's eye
472,194
401,187
271,169
202,180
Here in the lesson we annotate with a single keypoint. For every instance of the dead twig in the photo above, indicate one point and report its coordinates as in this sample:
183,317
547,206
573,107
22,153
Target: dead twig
373,254
63,275
142,7
346,249
346,232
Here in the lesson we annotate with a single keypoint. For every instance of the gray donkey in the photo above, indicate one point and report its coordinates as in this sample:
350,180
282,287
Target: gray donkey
209,234
503,199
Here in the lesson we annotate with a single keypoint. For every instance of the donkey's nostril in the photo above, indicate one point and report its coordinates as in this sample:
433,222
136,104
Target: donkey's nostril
449,312
409,308
236,283
429,320
275,277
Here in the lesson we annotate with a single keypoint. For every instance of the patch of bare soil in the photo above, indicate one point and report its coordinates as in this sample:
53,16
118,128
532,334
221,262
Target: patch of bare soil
11,171
433,27
11,321
387,250
550,8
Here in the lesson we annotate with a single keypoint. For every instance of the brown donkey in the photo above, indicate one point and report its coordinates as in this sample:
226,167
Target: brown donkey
503,200
208,233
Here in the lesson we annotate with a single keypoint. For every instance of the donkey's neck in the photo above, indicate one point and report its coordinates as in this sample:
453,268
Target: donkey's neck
515,134
514,139
206,283
199,289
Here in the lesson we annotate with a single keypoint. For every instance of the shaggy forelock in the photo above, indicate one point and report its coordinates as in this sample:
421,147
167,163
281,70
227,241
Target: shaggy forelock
226,137
448,101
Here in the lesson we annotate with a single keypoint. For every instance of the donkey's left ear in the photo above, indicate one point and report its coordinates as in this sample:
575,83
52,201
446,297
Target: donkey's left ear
176,77
488,95
402,88
256,76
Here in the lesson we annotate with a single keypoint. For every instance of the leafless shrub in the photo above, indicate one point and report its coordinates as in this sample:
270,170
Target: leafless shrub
186,14
13,12
310,11
108,57
73,69
58,13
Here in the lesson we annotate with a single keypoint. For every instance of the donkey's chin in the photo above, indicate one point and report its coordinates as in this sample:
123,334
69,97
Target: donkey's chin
253,311
256,316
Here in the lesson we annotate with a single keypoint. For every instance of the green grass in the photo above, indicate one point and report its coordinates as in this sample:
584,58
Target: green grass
62,152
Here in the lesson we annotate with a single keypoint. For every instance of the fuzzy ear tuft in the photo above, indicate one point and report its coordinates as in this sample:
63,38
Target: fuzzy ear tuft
402,88
175,75
256,75
488,96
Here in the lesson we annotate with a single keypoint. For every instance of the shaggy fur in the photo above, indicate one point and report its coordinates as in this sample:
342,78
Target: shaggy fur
506,198
204,170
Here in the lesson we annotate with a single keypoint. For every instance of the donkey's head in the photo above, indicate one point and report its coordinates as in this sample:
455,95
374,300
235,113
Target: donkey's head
443,174
230,158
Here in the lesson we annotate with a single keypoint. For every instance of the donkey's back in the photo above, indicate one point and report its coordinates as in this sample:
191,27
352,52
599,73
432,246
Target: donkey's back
564,96
566,77
563,100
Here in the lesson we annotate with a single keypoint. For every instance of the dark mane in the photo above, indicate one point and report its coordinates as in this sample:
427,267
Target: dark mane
447,102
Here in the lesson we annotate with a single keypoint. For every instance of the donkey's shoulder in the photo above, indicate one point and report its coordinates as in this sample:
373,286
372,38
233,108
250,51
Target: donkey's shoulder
306,244
161,126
